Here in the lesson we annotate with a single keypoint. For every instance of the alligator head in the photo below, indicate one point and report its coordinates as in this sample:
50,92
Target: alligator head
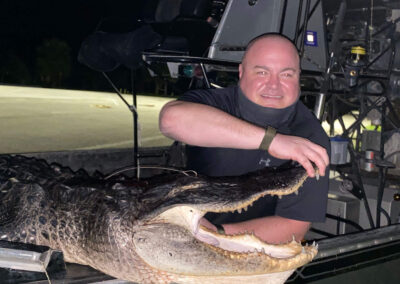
148,232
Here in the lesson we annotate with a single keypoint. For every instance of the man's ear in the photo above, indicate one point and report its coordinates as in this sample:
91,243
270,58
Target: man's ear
240,70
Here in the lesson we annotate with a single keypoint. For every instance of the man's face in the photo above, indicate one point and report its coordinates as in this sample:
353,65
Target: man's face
270,72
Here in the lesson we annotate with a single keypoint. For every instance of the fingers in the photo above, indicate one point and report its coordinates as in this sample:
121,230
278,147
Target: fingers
302,151
315,154
306,165
321,159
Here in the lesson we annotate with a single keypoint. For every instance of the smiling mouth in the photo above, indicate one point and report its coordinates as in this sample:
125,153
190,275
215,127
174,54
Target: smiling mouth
272,96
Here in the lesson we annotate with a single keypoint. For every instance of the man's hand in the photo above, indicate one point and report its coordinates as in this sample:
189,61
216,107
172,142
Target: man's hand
300,150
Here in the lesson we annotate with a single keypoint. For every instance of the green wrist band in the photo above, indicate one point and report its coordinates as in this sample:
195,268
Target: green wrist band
270,133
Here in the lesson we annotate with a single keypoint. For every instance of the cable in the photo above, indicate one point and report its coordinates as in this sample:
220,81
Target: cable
150,167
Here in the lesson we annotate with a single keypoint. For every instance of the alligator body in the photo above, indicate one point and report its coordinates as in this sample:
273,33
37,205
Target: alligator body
146,231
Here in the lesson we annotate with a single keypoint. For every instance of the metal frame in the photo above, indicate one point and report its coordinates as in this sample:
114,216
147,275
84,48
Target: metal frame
362,247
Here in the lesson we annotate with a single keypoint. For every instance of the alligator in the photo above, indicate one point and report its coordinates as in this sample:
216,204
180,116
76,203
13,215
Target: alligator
146,230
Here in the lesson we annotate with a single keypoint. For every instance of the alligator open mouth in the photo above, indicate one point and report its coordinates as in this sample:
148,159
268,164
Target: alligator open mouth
210,254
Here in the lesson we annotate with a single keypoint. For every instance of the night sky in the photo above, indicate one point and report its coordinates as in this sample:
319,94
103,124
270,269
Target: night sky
25,24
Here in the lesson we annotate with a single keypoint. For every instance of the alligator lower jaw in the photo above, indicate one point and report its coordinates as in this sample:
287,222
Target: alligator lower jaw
239,246
243,245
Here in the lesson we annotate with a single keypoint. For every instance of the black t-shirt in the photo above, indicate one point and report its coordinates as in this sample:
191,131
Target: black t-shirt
309,204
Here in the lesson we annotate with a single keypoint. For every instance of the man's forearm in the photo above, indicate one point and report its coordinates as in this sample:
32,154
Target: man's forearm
206,126
273,229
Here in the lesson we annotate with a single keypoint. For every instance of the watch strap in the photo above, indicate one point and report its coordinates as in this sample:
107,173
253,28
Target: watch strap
270,133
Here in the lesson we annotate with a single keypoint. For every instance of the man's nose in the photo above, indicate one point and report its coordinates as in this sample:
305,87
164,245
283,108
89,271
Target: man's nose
273,81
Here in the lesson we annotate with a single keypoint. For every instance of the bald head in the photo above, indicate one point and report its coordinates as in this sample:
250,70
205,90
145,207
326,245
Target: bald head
274,38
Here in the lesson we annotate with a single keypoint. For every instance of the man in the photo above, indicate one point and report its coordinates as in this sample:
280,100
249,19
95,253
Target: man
225,130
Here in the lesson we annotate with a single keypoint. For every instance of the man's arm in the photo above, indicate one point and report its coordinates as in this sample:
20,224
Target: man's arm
272,229
206,126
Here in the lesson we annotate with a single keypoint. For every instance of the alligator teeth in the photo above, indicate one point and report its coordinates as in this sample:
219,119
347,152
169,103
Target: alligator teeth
245,209
239,210
296,192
